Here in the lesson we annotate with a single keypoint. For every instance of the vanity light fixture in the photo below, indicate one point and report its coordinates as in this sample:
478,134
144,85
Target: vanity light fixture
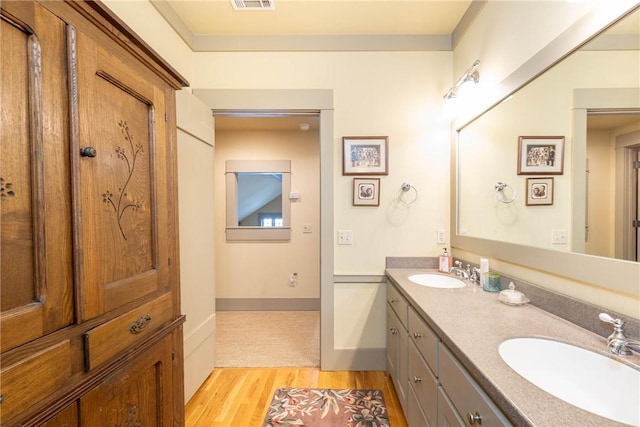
470,76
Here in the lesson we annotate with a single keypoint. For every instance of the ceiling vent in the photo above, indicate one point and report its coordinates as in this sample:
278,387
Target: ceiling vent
253,4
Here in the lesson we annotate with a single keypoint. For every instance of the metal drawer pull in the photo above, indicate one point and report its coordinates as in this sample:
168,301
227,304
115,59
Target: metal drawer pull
417,380
392,300
140,324
474,417
417,335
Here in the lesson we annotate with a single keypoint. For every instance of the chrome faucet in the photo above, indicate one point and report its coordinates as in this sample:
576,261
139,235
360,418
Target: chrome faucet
617,342
460,272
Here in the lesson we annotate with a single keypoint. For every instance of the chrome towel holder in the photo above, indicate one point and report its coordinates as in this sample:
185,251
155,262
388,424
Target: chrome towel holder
405,187
500,188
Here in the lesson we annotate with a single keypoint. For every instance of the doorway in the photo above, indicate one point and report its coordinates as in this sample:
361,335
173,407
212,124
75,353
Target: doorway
265,284
291,100
612,183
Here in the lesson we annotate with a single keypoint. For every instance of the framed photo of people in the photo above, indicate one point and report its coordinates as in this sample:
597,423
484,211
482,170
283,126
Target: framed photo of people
540,155
366,191
539,191
365,155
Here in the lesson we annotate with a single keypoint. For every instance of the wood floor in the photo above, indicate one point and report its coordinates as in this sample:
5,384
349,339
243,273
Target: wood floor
239,397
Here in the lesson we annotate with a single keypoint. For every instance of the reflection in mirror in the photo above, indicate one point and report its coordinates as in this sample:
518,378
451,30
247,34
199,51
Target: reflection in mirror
259,199
585,213
256,209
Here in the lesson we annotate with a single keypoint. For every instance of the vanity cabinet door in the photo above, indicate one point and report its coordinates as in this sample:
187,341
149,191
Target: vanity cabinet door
36,293
447,415
425,340
471,403
398,303
424,384
397,355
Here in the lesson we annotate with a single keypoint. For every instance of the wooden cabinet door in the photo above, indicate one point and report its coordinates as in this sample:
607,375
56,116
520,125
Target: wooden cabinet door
139,395
120,179
35,269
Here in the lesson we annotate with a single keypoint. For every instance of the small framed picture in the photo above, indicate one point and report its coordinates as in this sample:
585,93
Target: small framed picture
366,191
539,191
365,155
540,155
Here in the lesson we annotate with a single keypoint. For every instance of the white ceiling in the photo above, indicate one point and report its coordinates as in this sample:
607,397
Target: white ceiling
317,17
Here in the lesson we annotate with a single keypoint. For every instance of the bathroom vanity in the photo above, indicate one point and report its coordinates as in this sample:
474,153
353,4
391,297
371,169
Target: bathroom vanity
443,358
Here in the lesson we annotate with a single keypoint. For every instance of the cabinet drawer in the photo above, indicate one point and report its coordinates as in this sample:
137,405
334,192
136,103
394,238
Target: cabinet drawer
33,378
466,395
424,384
399,304
415,417
425,339
447,415
109,339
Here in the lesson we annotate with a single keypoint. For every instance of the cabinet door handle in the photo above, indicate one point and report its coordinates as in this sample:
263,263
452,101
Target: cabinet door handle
392,300
140,324
417,380
417,335
394,331
88,152
473,418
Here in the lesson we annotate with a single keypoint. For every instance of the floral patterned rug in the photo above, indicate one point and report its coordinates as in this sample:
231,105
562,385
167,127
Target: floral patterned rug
312,407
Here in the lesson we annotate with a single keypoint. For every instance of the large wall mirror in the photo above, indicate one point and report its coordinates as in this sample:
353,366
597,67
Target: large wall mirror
256,208
583,225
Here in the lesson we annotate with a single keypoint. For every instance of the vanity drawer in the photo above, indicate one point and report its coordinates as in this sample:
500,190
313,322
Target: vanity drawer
33,378
109,339
466,395
424,384
398,303
425,340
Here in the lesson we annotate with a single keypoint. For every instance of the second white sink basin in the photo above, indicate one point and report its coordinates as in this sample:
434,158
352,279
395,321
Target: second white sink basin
583,378
434,280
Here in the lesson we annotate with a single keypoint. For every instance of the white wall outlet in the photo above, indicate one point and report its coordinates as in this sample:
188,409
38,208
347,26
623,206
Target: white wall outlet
345,237
441,236
558,237
306,228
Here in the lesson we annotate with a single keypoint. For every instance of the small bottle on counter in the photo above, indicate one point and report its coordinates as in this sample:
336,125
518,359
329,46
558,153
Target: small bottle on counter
445,262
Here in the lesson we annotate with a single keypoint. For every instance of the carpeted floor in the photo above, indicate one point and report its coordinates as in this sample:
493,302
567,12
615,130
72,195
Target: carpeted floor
266,339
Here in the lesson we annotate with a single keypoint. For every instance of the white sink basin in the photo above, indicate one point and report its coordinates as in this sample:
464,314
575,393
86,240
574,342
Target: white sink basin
433,280
588,380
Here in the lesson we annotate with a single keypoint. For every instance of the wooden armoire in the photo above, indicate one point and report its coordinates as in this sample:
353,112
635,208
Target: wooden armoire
90,323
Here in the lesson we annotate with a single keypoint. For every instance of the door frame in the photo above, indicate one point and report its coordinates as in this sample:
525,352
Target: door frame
296,100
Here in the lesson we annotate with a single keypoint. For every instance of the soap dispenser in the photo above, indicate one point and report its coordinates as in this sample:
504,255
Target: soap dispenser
445,262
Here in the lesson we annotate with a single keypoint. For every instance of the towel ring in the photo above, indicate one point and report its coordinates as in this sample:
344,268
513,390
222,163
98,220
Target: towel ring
405,187
500,186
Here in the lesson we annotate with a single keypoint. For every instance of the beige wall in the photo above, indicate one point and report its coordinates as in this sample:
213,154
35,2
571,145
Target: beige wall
395,94
262,269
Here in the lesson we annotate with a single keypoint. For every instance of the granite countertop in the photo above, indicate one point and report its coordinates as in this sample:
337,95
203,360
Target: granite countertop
472,323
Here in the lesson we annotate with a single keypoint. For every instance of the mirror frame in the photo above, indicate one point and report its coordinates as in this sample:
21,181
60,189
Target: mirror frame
618,275
251,233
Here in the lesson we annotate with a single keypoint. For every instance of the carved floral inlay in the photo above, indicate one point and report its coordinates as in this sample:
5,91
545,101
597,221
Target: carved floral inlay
122,202
6,190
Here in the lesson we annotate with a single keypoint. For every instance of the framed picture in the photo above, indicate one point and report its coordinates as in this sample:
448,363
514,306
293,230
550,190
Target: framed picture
539,191
540,155
366,191
365,155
